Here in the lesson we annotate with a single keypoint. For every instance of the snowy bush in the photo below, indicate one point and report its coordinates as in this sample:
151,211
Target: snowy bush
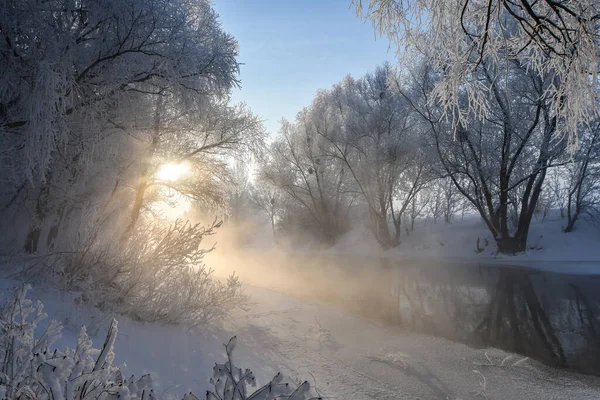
31,370
164,278
156,275
232,383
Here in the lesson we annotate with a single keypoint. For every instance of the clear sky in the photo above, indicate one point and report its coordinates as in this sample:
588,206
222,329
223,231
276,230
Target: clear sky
291,48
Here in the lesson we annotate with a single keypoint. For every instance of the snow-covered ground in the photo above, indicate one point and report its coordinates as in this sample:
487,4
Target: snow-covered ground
549,247
343,356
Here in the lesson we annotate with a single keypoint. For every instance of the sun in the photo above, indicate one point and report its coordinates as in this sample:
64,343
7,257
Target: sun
172,204
173,171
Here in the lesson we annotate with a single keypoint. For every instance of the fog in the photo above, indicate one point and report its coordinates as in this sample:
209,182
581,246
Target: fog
360,284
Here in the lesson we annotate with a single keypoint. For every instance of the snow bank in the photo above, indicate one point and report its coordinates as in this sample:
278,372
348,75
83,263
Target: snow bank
550,248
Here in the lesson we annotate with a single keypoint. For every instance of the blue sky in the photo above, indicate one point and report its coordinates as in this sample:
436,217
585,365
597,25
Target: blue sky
291,48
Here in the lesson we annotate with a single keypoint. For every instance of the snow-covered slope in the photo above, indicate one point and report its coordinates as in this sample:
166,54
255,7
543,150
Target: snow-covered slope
343,356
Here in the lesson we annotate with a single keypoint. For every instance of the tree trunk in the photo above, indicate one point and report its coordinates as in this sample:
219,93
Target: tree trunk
146,175
35,230
137,204
55,228
512,244
381,231
33,237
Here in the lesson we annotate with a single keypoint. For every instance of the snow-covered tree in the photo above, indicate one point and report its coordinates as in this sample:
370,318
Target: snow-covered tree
359,143
499,164
376,140
79,88
96,96
62,59
196,135
583,196
559,37
300,166
97,100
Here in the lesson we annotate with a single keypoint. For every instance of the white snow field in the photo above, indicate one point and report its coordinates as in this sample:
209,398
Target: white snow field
343,356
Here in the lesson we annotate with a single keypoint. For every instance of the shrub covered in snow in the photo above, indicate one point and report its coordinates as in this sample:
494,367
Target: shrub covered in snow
156,275
232,383
30,369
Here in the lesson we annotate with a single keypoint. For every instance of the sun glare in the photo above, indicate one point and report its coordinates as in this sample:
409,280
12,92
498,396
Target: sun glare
173,171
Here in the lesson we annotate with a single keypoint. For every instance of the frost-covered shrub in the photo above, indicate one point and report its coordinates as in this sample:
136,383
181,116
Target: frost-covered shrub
156,275
166,280
233,383
30,369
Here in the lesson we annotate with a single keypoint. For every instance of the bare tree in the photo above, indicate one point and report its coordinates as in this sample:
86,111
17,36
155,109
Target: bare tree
436,202
445,199
268,200
417,207
557,188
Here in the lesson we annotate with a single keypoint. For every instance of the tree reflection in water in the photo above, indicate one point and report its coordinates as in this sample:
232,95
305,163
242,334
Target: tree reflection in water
547,316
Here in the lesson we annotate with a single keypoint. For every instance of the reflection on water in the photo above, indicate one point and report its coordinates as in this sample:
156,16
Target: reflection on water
548,316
